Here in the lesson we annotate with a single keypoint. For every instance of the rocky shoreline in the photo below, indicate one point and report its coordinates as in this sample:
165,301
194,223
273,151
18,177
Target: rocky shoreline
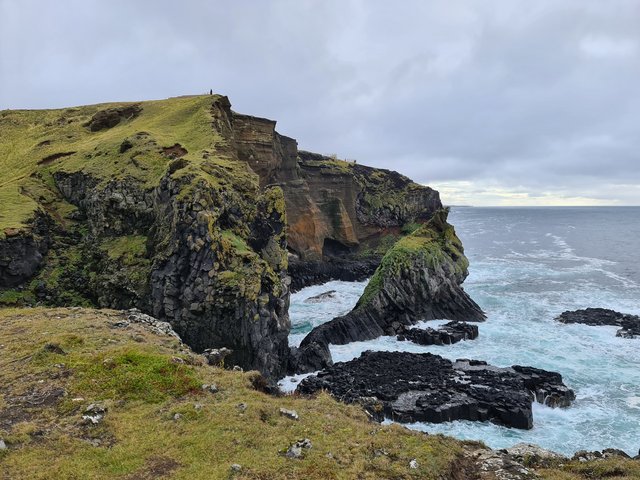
411,387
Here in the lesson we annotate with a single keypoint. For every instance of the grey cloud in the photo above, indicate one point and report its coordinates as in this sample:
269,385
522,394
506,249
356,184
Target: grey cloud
535,95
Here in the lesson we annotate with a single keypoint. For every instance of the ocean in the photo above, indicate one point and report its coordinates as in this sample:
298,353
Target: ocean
527,265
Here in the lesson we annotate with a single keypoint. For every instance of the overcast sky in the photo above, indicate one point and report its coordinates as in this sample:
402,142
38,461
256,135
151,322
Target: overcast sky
492,102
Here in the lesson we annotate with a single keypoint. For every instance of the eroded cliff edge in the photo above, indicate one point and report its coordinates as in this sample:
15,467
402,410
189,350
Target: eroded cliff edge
182,208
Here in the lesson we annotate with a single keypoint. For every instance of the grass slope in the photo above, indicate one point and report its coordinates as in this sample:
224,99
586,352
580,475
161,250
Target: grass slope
36,143
145,380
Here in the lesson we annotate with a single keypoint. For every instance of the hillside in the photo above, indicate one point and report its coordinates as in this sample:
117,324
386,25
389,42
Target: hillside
190,212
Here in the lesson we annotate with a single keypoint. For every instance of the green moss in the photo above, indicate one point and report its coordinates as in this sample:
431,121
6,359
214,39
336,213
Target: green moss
128,248
433,244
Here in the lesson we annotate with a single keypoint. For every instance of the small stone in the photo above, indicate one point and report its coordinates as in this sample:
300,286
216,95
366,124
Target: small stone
3,446
291,414
54,348
210,388
77,399
94,414
241,406
197,406
177,416
296,450
413,464
216,356
236,467
237,368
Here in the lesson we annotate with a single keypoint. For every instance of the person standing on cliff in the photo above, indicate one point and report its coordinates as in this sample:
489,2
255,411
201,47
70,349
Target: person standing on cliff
211,92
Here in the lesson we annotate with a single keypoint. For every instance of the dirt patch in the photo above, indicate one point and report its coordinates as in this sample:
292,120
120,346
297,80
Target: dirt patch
53,157
156,467
175,151
111,117
44,143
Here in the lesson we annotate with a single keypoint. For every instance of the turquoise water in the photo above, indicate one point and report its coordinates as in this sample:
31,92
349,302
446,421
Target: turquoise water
527,266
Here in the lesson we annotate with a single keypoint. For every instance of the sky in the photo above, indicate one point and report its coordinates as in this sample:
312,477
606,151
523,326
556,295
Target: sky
492,102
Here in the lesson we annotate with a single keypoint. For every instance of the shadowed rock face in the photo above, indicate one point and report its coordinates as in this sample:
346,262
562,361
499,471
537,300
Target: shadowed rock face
410,387
601,316
418,279
446,334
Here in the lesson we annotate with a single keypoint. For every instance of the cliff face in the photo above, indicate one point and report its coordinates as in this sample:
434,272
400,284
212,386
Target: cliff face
177,207
341,216
419,278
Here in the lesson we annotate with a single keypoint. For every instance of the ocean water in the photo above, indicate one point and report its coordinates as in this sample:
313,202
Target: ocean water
527,266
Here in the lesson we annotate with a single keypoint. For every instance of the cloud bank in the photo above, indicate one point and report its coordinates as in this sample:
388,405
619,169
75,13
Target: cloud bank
493,102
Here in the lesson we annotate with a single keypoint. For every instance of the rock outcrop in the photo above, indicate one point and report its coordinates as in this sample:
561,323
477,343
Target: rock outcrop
419,279
446,334
410,387
630,324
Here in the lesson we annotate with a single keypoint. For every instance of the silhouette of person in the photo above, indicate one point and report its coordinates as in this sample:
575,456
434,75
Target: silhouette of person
211,92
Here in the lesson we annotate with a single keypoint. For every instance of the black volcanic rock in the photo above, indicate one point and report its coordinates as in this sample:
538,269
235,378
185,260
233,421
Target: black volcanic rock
602,316
410,387
446,334
419,279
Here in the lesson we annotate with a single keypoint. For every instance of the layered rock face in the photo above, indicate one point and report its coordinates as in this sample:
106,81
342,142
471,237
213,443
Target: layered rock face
22,251
419,279
410,387
342,216
630,324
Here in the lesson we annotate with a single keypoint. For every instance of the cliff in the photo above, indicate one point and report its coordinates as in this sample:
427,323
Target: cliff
419,278
191,212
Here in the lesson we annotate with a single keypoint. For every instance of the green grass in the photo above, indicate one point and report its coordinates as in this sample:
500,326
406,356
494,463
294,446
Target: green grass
144,380
29,136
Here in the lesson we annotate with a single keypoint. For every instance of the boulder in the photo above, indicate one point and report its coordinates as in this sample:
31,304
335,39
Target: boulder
446,334
411,387
630,324
321,297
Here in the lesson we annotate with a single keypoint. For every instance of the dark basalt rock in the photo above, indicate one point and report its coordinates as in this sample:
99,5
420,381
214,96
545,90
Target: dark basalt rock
410,387
307,273
446,334
310,358
22,252
321,297
602,316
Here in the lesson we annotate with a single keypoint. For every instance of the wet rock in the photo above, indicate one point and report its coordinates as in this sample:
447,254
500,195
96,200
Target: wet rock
321,297
309,358
630,324
216,356
290,414
409,387
296,450
446,334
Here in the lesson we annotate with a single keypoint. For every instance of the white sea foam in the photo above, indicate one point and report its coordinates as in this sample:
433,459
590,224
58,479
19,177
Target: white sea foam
522,286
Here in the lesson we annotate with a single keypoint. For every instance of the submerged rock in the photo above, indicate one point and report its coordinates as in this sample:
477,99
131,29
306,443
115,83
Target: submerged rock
446,334
602,316
321,297
411,387
418,279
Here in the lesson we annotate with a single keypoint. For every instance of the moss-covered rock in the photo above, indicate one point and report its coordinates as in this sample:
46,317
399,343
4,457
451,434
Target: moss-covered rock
419,278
